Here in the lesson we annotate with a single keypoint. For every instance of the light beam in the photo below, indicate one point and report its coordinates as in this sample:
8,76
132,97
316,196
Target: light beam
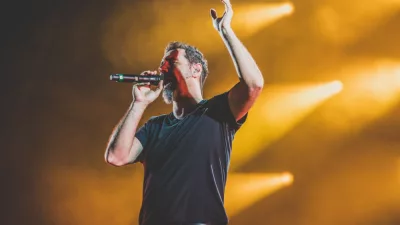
277,111
252,18
243,190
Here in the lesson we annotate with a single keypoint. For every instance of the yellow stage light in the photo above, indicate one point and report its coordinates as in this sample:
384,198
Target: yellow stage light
250,19
243,190
397,75
372,90
128,40
277,111
287,178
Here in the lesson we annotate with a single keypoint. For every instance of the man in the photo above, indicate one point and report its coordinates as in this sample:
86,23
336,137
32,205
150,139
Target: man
186,153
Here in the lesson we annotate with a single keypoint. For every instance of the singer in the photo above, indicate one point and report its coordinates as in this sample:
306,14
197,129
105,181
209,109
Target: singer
186,153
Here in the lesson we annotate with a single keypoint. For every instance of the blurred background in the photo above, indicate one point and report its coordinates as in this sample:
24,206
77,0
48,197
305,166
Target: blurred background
320,147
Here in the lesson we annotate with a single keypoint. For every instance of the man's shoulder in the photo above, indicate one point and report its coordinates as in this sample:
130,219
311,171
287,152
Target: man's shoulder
157,119
217,99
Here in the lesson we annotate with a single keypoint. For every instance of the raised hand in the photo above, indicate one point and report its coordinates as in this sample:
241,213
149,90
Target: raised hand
224,22
142,93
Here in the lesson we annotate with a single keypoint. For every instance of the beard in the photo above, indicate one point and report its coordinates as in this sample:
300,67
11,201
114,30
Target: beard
168,92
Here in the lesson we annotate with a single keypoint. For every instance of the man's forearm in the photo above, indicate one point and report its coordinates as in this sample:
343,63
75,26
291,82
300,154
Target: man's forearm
246,67
122,137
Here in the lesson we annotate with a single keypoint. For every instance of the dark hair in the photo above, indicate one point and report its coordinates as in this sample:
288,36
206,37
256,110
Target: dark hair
193,55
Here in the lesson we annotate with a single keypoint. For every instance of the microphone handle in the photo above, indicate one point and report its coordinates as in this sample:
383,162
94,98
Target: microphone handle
133,78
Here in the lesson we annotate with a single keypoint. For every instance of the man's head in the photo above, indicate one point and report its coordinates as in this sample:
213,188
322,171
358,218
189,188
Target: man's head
182,64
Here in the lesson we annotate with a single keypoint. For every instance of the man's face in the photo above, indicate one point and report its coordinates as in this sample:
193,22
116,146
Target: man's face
175,68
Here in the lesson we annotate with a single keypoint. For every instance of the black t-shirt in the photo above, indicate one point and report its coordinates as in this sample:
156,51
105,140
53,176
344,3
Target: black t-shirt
185,164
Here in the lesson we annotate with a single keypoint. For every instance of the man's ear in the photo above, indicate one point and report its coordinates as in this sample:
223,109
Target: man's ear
197,70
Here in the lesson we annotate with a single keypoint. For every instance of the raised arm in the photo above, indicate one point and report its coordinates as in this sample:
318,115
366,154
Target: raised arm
243,95
123,147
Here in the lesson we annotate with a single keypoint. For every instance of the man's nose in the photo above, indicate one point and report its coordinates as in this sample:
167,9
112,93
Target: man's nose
163,68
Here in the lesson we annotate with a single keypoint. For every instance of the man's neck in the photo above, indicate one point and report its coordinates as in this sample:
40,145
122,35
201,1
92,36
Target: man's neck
185,98
182,106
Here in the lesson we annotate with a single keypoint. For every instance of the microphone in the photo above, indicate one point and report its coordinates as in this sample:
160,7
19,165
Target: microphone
133,78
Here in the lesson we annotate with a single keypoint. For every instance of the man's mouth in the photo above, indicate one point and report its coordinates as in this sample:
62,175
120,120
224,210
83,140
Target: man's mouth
169,82
168,78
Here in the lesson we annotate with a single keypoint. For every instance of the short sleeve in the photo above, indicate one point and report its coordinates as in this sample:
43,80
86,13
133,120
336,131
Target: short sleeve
142,134
219,108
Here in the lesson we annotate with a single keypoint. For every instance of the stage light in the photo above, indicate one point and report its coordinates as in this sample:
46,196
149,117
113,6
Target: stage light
372,90
336,87
397,75
127,40
243,190
249,19
276,112
287,178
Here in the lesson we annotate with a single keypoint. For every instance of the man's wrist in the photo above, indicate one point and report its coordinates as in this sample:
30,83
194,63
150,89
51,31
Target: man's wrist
139,105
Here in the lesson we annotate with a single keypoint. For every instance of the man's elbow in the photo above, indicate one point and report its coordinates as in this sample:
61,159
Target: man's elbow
114,160
256,88
257,83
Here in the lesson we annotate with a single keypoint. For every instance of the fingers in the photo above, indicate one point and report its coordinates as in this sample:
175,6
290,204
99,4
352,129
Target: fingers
228,7
141,86
149,72
145,72
224,13
160,87
227,3
228,10
213,14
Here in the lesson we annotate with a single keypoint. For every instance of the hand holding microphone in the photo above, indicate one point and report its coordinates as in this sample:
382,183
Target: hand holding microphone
141,91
